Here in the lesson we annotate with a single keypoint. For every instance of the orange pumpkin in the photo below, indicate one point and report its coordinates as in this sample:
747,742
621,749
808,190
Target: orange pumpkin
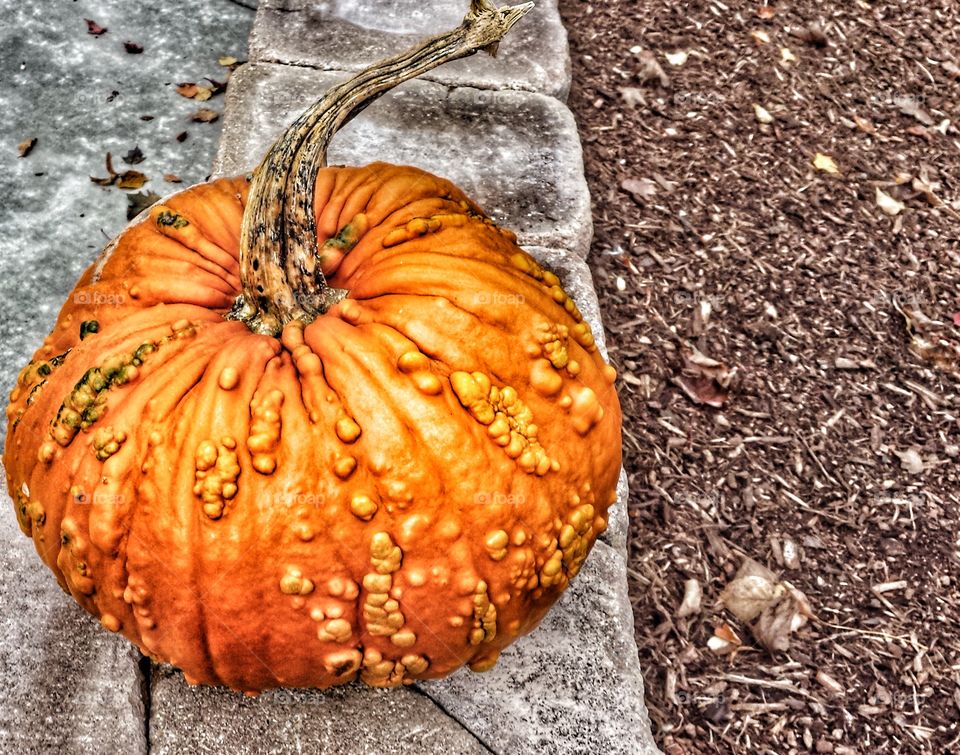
323,423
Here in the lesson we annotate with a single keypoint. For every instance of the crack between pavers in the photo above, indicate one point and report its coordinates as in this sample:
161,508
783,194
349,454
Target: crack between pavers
480,740
426,77
145,668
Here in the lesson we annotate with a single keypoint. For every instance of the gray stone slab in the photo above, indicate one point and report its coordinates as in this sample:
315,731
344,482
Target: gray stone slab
351,720
349,35
577,280
66,685
573,685
517,154
82,96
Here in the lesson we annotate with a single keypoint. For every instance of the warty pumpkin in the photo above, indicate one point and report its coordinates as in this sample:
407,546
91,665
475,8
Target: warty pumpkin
318,423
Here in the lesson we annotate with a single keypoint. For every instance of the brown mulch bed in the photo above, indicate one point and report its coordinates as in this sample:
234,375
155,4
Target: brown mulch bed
824,442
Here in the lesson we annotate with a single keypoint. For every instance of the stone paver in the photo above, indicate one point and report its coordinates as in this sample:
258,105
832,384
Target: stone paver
66,685
349,35
517,154
352,720
573,685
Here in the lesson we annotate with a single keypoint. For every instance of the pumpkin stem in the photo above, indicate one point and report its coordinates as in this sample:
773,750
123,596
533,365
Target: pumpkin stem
279,261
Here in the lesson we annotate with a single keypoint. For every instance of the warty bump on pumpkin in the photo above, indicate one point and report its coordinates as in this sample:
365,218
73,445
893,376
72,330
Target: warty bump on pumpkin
318,423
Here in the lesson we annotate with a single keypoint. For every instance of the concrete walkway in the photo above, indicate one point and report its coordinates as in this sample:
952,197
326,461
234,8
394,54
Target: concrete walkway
499,129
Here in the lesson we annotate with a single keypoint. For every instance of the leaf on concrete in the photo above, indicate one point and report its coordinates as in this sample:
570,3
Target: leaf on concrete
205,115
137,203
193,91
134,156
133,48
227,61
131,179
94,28
111,174
172,178
26,146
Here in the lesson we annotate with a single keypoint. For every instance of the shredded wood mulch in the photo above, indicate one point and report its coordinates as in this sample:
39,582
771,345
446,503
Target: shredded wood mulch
777,205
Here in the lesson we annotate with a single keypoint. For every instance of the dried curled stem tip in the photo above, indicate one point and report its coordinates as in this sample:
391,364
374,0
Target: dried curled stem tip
506,18
279,265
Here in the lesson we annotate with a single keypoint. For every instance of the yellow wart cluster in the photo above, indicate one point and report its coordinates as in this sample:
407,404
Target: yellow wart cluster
484,616
509,421
568,552
107,441
417,366
264,438
382,672
380,611
422,226
216,477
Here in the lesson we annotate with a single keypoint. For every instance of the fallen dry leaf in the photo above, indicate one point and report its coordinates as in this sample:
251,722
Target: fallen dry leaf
825,164
182,136
911,106
752,590
786,56
94,28
772,608
633,96
205,115
766,12
762,114
888,204
137,203
777,623
760,37
910,460
677,58
724,641
134,156
227,61
932,341
199,92
705,380
692,596
864,125
133,48
172,178
26,146
131,179
111,174
641,189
